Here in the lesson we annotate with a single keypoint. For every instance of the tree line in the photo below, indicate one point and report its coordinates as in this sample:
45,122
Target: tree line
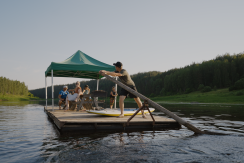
221,72
12,87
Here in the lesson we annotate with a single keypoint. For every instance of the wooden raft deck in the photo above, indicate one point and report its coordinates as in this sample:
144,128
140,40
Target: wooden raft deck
80,121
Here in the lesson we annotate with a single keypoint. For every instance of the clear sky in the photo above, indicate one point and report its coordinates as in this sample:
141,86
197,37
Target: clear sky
145,35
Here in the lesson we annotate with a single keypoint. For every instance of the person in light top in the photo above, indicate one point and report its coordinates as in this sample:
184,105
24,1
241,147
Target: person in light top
86,90
75,96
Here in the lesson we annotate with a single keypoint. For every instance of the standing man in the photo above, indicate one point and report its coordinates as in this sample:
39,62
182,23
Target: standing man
126,80
62,96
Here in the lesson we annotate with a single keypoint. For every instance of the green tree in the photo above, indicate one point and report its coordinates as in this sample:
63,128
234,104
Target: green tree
200,87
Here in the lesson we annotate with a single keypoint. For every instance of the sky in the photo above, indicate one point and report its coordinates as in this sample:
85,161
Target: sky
145,35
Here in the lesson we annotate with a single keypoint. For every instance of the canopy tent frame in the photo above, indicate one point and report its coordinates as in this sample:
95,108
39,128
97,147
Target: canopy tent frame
79,65
86,74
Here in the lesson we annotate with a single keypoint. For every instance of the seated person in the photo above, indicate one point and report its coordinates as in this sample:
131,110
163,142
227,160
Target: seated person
62,96
75,96
86,90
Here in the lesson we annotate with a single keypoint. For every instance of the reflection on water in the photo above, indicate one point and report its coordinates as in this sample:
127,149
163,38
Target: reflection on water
27,135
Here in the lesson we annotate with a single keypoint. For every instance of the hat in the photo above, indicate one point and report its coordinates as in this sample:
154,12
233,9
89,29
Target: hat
65,86
118,64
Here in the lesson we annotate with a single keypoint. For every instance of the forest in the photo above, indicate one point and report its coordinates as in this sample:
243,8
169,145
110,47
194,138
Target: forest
222,72
12,87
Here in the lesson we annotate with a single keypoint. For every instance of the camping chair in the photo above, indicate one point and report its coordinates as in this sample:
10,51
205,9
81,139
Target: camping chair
95,95
85,102
73,104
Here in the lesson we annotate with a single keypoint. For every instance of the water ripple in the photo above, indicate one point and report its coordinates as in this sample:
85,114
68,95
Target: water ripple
26,135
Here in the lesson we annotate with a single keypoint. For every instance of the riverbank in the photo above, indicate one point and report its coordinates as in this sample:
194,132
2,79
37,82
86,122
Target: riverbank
219,96
222,96
17,98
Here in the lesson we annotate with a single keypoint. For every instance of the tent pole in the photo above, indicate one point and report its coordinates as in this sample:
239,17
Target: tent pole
97,87
46,90
97,84
52,92
116,92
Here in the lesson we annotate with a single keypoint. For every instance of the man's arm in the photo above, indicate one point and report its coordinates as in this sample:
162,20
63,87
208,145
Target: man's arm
59,96
110,73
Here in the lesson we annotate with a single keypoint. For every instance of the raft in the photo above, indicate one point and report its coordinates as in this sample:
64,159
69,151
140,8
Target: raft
117,112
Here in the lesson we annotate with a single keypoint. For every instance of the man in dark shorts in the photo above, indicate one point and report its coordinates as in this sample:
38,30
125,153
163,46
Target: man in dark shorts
125,79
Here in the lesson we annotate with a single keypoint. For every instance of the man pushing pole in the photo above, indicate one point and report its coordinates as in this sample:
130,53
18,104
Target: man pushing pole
126,80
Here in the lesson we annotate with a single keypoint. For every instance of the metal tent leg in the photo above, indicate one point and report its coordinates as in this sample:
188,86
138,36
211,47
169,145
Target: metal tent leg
97,84
52,93
46,90
116,92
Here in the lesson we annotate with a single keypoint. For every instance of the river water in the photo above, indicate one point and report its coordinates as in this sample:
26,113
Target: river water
27,135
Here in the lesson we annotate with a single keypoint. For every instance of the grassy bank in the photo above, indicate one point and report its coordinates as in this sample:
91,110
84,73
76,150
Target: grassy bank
218,96
17,98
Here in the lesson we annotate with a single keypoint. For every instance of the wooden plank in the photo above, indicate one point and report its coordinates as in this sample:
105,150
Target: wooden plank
87,117
73,120
55,120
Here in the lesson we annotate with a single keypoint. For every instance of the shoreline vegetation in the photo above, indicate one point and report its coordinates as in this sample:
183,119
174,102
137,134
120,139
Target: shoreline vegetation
13,90
9,97
221,96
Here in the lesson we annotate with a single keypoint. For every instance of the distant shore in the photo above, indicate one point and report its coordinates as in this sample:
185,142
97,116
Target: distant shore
221,96
17,98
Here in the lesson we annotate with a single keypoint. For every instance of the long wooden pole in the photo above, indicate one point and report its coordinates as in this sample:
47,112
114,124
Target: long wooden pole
157,106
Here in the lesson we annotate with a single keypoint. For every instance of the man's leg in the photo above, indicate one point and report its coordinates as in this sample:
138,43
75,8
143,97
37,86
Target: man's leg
139,103
121,104
59,104
111,103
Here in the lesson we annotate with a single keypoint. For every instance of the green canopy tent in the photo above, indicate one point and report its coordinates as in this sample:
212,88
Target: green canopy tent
79,65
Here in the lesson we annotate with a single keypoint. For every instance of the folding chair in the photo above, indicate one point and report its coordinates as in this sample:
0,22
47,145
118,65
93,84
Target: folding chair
85,102
99,94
